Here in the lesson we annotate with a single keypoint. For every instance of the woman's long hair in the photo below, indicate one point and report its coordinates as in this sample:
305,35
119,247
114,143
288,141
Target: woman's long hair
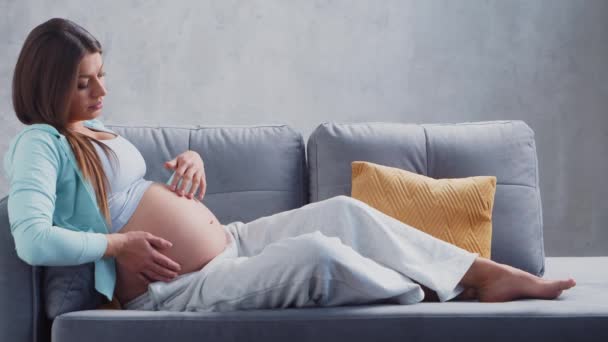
45,75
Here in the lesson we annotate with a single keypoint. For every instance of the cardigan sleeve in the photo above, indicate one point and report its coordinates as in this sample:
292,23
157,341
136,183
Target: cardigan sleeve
32,170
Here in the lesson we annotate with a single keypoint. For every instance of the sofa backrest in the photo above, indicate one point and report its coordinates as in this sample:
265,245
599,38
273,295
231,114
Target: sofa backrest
505,149
255,171
252,171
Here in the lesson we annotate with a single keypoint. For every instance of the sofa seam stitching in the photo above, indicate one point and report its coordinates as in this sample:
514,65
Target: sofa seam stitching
426,149
317,168
303,173
189,138
539,203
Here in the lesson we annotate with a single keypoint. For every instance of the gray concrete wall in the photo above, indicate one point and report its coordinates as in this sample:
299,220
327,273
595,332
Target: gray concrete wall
305,62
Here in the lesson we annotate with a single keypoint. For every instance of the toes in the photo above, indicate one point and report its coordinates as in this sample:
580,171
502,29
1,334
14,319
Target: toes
566,284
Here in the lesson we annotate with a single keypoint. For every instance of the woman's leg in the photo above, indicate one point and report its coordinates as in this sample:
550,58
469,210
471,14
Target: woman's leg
419,256
310,269
439,266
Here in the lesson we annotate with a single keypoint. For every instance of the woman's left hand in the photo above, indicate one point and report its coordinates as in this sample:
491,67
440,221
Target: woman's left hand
190,166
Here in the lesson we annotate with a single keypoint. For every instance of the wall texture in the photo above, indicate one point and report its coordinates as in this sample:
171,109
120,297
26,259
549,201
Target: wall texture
306,62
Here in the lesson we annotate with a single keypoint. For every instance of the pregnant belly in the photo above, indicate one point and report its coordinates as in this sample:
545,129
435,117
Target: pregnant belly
196,234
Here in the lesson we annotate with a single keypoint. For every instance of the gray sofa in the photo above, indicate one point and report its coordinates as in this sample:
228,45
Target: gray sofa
266,169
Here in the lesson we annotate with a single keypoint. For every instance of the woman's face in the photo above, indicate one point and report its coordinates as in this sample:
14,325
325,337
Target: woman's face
89,90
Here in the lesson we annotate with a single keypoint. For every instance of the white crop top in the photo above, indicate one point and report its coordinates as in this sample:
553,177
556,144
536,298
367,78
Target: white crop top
125,176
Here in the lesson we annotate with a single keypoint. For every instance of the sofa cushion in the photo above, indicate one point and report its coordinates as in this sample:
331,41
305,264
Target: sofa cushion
251,171
579,314
505,149
455,210
23,317
69,288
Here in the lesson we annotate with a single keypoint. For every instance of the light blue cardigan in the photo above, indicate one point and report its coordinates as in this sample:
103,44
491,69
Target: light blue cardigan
52,208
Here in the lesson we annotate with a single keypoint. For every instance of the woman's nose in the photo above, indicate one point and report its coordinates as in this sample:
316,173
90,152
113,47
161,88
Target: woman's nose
100,90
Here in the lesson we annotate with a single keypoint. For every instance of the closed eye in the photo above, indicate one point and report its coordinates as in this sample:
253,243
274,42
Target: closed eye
84,86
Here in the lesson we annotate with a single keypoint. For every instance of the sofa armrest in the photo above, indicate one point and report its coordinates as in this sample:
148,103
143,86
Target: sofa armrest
22,318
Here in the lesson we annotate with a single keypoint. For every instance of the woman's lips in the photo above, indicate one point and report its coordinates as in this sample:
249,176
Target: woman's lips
96,106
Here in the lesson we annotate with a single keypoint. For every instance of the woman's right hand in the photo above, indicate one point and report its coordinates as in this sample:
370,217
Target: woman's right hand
139,254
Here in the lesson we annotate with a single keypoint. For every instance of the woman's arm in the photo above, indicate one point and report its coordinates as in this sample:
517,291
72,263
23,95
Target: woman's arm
32,171
116,242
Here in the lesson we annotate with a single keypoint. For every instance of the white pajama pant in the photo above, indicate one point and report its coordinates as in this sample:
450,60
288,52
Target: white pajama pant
338,251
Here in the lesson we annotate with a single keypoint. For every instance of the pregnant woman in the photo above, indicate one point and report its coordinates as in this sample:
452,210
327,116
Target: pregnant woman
157,247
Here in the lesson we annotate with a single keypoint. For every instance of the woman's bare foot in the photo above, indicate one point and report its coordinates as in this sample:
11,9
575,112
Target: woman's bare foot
489,281
506,283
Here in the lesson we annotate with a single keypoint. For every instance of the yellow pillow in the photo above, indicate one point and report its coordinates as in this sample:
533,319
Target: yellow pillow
456,210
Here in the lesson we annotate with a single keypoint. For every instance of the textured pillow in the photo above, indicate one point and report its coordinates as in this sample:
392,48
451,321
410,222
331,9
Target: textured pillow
70,288
458,210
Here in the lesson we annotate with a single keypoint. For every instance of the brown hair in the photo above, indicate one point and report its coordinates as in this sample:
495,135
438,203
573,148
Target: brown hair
45,75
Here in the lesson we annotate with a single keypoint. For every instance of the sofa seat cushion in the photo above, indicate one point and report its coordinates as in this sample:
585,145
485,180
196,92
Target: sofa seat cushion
584,308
